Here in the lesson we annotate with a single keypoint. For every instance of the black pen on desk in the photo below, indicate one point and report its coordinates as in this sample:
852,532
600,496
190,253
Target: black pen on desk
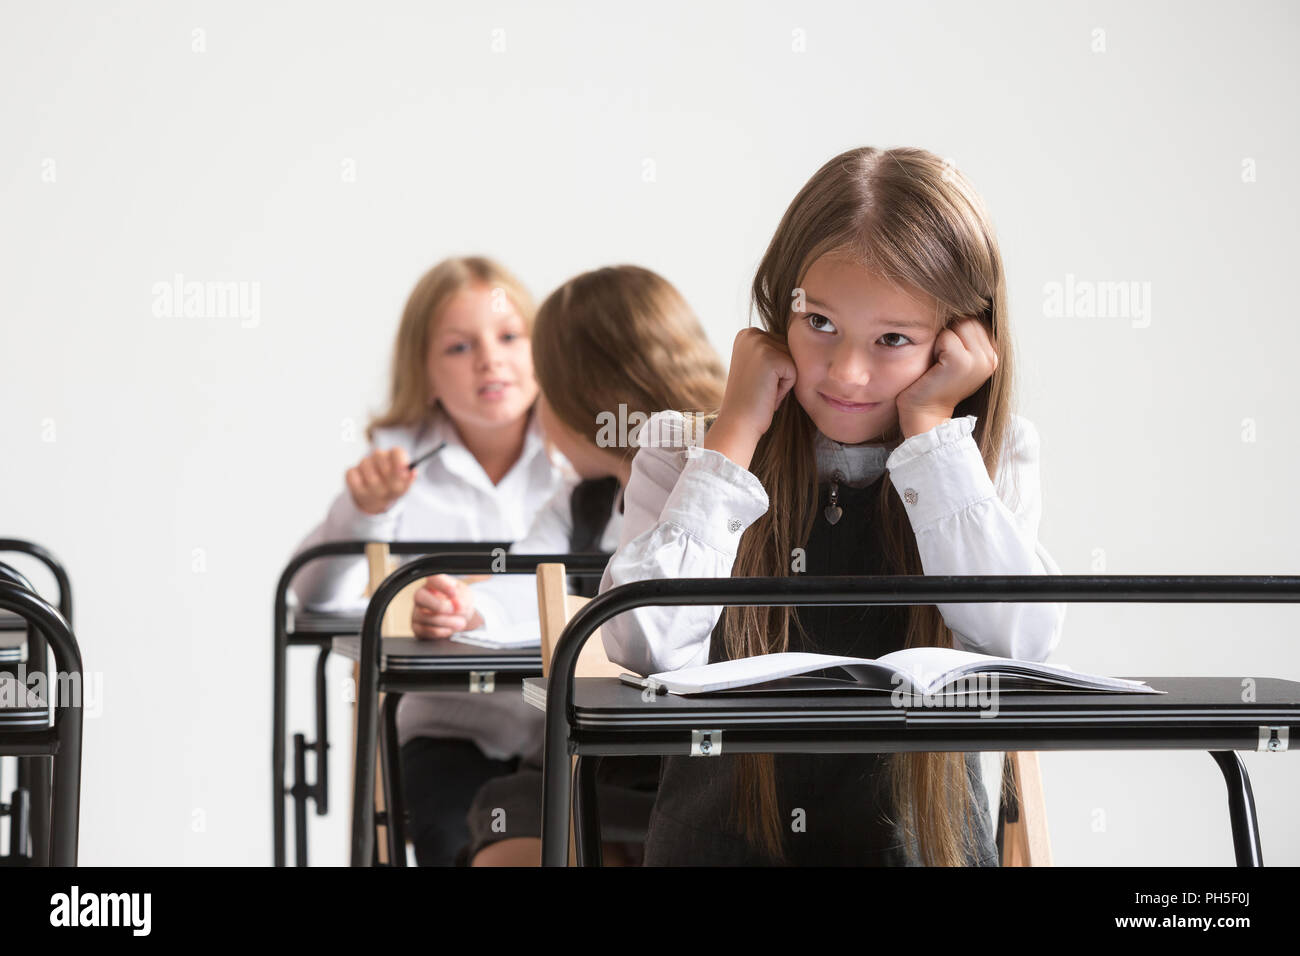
425,457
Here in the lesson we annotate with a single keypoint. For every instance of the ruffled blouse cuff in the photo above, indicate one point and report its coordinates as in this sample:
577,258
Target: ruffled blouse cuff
940,472
947,432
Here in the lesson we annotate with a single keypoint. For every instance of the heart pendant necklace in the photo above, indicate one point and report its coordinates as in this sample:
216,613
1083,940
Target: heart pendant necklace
833,510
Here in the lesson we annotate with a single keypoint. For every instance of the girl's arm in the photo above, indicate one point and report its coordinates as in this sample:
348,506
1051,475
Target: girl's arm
339,582
966,525
684,514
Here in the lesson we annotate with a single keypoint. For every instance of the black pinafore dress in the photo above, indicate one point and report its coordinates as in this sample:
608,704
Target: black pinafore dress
843,796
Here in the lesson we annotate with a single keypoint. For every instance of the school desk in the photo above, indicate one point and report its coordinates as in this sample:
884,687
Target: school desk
304,627
34,774
591,717
394,668
28,733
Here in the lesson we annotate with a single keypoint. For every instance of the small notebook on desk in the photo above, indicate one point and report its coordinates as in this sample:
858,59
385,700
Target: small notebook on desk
918,671
503,638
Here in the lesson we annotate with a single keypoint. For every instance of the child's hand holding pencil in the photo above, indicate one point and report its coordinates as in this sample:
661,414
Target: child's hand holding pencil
379,480
382,477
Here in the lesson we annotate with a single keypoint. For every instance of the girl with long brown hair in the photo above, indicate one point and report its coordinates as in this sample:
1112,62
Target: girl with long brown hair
884,349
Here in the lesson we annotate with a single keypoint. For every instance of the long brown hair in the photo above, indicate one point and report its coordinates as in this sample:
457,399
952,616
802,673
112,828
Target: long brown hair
906,215
408,399
622,335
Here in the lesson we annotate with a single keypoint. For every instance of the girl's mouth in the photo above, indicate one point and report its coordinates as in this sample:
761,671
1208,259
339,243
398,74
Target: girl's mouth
493,391
840,405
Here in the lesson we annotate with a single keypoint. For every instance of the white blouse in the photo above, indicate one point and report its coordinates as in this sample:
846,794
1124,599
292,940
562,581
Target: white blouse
502,724
686,508
510,600
452,499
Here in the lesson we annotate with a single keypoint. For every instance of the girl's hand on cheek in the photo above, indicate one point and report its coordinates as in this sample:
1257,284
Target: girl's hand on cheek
965,358
761,376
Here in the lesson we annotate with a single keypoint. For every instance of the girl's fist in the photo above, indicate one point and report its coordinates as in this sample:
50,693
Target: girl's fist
761,376
443,607
965,358
380,479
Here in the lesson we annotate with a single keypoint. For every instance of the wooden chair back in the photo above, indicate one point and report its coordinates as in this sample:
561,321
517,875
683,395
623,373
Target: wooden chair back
1025,840
555,606
397,623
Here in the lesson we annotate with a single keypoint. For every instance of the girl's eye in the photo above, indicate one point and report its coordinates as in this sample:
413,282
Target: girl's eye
511,336
458,348
820,322
905,339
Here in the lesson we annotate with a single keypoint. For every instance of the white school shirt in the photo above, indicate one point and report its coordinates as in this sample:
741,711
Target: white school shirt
687,507
452,499
510,600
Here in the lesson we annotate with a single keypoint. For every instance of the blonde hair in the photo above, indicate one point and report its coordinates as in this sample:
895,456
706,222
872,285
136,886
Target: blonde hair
907,216
408,401
622,335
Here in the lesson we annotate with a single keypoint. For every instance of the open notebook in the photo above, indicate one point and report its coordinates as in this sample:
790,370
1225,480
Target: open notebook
345,618
525,634
915,670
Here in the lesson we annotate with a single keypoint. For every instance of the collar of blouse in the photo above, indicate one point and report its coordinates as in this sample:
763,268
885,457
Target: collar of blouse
857,465
458,459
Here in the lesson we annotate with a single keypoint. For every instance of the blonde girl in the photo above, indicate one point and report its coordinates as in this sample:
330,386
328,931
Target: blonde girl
462,381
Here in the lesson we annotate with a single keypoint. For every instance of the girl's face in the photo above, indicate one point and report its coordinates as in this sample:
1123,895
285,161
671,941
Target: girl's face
857,344
480,361
588,460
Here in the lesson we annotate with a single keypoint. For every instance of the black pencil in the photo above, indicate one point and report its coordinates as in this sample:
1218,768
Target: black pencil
425,457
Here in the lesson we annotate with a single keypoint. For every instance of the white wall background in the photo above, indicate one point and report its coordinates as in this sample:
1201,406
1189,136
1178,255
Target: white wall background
128,441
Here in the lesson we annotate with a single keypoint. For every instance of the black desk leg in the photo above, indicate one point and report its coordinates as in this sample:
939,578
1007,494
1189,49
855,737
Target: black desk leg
20,847
299,799
34,777
390,760
34,773
557,787
278,793
301,791
365,850
321,790
1241,808
64,809
586,818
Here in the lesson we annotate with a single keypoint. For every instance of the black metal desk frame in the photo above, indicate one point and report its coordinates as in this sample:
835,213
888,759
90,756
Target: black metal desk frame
374,679
35,772
565,737
318,790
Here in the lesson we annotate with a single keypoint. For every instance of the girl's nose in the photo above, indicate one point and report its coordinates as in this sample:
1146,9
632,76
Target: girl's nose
849,367
489,353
